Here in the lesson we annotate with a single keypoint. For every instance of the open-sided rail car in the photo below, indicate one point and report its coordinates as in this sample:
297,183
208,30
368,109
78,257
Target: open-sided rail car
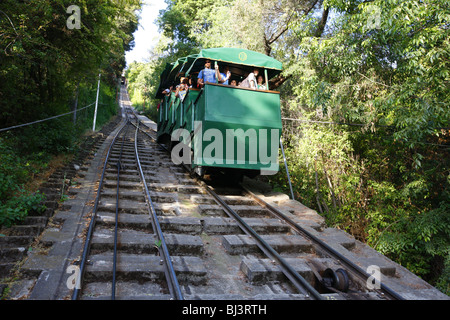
222,126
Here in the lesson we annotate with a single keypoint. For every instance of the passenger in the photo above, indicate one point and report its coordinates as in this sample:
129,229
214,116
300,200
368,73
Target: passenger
223,79
182,88
166,92
206,75
250,81
261,85
183,83
191,83
233,83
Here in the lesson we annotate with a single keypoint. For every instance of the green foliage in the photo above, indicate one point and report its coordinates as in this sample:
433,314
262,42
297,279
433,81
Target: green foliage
142,86
179,21
386,77
43,62
48,69
419,241
9,177
17,208
15,202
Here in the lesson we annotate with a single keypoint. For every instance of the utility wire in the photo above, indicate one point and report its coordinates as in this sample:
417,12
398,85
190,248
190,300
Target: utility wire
338,123
363,125
350,124
38,121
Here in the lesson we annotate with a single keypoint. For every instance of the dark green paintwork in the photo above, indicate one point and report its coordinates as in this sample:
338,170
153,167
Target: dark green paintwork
222,108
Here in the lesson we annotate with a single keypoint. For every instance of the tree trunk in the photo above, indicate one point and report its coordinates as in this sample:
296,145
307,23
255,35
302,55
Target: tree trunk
322,23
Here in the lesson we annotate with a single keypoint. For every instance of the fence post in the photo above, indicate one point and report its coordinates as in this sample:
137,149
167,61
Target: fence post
96,103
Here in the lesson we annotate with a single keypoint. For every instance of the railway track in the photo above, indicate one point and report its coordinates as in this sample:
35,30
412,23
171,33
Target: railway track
158,232
125,230
224,242
331,275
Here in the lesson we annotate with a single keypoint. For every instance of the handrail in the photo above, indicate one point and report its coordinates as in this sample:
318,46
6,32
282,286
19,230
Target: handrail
240,88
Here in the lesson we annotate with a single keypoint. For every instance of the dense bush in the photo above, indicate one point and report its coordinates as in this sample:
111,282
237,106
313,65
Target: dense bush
49,68
142,86
15,201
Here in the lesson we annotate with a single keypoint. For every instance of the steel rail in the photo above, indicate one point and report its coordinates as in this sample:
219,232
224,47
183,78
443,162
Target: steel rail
87,242
116,226
348,264
297,280
171,278
329,250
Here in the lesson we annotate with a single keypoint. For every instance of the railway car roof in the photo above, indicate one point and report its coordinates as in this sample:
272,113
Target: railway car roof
241,57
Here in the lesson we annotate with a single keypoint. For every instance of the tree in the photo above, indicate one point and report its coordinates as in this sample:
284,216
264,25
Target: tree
378,79
258,25
43,61
49,65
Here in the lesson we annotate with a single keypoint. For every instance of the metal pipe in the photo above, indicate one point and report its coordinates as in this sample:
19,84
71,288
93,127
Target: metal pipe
96,103
287,170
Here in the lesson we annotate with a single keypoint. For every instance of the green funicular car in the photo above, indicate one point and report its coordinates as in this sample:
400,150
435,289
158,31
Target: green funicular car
222,127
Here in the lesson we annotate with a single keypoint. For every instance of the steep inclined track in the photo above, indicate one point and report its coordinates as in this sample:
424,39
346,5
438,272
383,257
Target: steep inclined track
226,247
223,241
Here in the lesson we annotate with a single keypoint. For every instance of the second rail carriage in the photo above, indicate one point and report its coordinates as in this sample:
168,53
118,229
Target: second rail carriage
221,127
